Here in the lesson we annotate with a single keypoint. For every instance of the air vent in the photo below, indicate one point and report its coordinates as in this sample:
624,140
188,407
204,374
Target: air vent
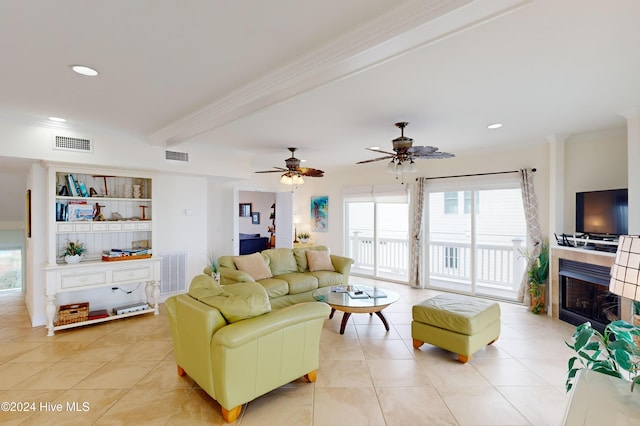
65,143
176,156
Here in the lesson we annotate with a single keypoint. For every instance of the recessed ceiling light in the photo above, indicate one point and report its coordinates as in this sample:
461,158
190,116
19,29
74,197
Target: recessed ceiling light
303,161
81,69
494,126
58,119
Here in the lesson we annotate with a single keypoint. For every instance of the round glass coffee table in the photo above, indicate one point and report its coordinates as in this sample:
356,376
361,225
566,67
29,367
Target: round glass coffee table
356,299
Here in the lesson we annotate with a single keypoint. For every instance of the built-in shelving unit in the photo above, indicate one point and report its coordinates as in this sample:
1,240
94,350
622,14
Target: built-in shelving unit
103,210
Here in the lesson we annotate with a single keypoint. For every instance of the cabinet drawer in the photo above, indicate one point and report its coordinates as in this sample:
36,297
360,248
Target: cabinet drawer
83,280
129,226
98,227
132,274
65,227
144,226
82,227
115,227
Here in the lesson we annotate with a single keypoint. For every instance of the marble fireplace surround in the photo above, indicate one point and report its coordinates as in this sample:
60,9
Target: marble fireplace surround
578,255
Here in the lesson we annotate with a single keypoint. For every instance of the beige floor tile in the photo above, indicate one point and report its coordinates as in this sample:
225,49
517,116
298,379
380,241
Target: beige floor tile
506,372
146,350
376,331
448,373
334,346
25,404
61,375
403,406
52,352
481,405
343,373
165,376
13,373
541,405
117,375
12,350
283,406
388,373
199,408
385,349
141,407
346,406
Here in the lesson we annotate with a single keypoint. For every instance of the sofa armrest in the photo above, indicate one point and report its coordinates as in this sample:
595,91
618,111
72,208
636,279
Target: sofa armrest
242,332
233,276
342,265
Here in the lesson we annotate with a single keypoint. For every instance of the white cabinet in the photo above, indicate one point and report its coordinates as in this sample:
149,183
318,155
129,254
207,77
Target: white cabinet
103,210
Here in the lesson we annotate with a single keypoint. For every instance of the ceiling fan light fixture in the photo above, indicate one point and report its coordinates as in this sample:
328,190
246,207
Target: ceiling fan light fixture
391,167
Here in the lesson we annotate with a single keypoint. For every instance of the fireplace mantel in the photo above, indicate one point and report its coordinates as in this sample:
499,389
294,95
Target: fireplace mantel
592,257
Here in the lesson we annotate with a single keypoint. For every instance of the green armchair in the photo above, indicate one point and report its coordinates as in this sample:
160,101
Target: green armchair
234,356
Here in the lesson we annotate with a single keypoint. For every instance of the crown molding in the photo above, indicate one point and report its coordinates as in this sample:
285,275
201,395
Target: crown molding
402,30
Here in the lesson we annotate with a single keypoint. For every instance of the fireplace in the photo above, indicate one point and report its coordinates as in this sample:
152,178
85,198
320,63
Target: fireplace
584,294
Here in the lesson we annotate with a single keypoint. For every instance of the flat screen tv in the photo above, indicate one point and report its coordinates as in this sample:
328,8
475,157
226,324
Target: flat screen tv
602,212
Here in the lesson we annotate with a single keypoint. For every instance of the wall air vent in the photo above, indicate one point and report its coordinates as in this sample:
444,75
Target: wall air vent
66,143
176,156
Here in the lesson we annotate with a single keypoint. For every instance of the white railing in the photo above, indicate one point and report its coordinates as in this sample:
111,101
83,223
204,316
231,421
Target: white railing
498,266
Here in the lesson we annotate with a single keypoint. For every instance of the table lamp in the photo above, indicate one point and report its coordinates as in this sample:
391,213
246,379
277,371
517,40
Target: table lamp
625,272
296,220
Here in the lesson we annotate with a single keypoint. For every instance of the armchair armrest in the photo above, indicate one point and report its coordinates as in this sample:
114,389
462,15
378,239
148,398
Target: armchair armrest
241,332
233,276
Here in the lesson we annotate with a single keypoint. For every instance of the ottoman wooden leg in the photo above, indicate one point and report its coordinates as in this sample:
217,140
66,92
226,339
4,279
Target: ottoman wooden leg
181,371
232,415
493,341
464,358
417,343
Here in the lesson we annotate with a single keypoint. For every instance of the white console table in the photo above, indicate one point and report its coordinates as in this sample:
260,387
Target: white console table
96,274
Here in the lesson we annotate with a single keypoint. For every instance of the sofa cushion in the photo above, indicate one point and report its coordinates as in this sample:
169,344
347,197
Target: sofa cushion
327,278
319,261
275,287
281,261
204,286
300,254
254,265
240,301
299,282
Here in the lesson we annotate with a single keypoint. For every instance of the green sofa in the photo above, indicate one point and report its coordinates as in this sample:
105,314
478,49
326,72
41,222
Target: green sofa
291,279
230,342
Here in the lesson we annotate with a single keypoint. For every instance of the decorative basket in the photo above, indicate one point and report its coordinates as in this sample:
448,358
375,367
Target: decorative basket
68,314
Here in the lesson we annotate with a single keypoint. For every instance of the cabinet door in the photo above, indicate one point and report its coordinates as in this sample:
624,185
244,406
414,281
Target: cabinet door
131,274
84,279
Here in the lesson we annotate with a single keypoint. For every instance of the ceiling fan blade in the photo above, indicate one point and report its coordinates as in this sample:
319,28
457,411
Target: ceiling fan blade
380,151
277,170
308,171
422,150
376,159
434,156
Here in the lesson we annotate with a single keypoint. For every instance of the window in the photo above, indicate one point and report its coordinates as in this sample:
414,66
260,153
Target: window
467,202
451,203
451,257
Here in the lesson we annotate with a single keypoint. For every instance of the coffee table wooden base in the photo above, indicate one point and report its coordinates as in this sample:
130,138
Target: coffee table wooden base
347,314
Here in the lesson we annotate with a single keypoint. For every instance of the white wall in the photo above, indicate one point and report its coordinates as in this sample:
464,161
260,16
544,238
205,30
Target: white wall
593,162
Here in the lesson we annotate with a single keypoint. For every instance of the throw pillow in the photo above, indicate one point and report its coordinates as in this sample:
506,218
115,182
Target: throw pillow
319,261
240,301
254,265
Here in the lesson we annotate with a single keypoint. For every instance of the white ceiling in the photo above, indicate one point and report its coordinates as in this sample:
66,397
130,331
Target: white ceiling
330,77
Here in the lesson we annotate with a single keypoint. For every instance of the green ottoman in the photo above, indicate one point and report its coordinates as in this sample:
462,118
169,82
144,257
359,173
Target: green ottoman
459,324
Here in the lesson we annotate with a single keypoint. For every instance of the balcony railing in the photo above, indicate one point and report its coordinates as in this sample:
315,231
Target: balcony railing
497,266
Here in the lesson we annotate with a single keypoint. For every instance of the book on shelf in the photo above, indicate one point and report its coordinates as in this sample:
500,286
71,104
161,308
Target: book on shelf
115,253
80,212
83,189
97,314
71,185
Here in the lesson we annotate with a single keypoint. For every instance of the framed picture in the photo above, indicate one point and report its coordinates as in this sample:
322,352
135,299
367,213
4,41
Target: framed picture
245,209
319,209
255,218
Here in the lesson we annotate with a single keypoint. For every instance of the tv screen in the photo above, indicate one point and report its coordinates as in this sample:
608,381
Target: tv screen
602,212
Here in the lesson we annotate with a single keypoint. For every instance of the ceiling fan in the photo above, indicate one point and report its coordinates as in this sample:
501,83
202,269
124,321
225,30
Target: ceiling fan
404,153
293,172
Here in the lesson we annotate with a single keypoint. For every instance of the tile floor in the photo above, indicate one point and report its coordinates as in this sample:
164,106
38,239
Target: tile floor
122,373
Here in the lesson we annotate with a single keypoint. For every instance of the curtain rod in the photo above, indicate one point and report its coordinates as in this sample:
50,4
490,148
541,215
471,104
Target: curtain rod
476,174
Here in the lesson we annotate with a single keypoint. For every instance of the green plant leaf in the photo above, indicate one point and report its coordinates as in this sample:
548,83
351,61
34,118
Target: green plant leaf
582,338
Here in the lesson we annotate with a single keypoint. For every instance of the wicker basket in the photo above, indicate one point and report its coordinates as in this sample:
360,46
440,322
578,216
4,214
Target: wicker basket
68,314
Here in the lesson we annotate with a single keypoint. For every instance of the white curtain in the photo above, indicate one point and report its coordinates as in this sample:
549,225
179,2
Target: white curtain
416,259
533,228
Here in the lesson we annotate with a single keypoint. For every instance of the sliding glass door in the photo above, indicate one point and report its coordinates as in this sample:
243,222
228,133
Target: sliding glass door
476,238
377,232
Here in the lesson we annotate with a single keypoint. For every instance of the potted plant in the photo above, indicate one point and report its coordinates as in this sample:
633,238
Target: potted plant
73,251
212,267
613,353
538,275
303,237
